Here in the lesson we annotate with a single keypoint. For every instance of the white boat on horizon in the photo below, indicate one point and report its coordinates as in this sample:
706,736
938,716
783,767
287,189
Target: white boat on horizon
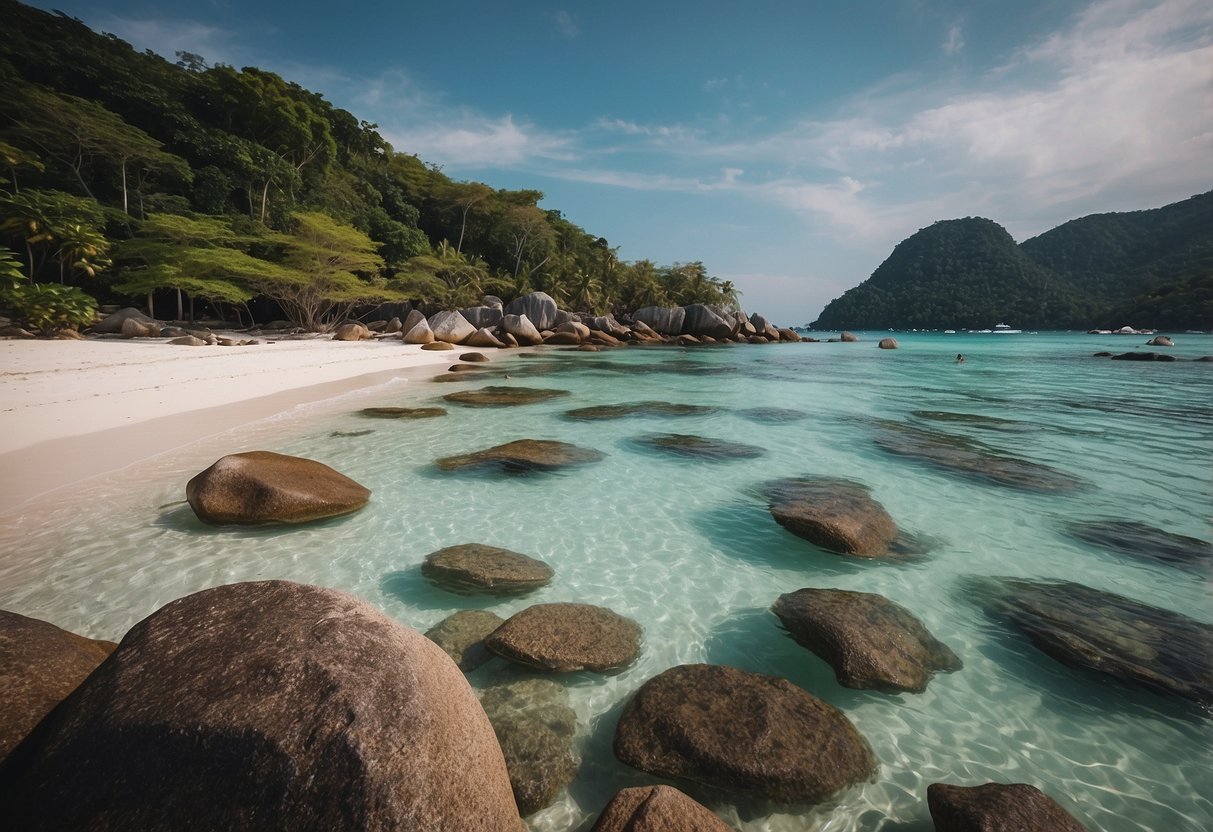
1000,329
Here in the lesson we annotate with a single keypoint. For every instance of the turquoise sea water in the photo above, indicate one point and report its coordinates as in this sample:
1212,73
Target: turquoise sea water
689,550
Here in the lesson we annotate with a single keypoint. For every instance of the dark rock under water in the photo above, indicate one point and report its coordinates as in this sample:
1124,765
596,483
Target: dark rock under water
1145,542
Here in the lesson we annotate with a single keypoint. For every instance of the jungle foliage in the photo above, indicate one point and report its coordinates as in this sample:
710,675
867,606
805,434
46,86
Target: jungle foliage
129,176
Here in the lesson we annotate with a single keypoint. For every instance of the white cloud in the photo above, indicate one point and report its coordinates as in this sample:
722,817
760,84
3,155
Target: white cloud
566,24
955,41
473,140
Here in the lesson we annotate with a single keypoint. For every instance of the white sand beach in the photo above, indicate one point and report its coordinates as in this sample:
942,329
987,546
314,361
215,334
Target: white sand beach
73,409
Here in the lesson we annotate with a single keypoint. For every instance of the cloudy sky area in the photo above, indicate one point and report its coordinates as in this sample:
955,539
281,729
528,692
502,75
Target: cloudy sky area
788,147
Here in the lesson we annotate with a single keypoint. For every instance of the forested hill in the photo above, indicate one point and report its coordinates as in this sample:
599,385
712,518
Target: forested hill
130,177
1145,268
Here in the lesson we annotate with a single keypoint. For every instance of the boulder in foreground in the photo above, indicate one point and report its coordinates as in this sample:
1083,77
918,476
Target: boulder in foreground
743,733
265,487
40,665
656,809
997,807
871,642
265,705
567,637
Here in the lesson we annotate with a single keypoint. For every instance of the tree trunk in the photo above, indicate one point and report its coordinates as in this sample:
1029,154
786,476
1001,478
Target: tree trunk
264,195
151,309
180,309
125,207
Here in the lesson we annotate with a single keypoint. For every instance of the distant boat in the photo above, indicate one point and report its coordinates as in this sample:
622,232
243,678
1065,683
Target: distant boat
949,332
1003,329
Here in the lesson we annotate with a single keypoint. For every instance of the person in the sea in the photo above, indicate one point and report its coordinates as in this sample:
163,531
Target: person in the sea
960,359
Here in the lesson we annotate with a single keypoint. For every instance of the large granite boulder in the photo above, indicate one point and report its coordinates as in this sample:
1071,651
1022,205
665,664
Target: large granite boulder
664,319
482,317
523,456
139,328
699,319
264,705
741,732
112,324
871,642
40,665
699,447
265,487
412,318
838,515
451,327
474,567
535,726
352,331
848,337
764,328
656,809
485,338
522,329
997,807
888,344
491,300
1118,637
504,396
567,637
789,335
1140,540
438,346
418,333
539,307
608,324
461,636
1160,341
973,460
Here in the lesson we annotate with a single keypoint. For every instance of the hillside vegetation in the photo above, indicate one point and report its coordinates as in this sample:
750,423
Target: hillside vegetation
128,177
1144,268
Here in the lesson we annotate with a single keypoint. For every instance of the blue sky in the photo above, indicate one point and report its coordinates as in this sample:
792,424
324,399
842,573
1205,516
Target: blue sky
787,145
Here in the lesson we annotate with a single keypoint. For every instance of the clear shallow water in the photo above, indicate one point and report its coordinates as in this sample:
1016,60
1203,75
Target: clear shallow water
689,550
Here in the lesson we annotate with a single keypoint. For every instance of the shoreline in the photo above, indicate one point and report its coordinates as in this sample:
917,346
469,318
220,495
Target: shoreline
74,410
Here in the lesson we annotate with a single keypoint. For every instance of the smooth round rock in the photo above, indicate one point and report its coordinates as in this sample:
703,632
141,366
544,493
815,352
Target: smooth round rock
656,809
403,412
743,733
888,344
503,396
474,567
699,447
266,487
40,665
567,637
837,515
871,642
265,705
461,636
997,807
523,456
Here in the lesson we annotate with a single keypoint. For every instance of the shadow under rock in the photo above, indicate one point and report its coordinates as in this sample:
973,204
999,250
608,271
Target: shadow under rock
414,589
181,517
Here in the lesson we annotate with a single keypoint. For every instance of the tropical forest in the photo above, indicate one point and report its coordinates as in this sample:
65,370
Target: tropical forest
198,189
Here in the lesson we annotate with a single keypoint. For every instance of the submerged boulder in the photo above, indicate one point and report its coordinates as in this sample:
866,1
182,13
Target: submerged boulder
535,726
997,807
474,567
265,704
40,665
567,637
403,412
871,642
699,447
265,487
1146,542
1126,640
1160,341
1143,356
461,636
503,396
523,456
648,408
961,455
838,515
656,809
888,344
743,733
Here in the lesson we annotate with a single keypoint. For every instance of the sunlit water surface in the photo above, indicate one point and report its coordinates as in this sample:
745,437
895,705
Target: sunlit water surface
689,550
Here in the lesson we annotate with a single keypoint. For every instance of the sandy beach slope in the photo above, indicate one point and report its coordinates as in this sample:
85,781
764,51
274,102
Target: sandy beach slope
73,409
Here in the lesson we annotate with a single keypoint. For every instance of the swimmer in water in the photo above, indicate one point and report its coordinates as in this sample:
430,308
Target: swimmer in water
960,359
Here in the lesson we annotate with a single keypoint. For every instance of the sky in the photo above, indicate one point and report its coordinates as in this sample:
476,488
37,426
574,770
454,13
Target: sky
789,145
